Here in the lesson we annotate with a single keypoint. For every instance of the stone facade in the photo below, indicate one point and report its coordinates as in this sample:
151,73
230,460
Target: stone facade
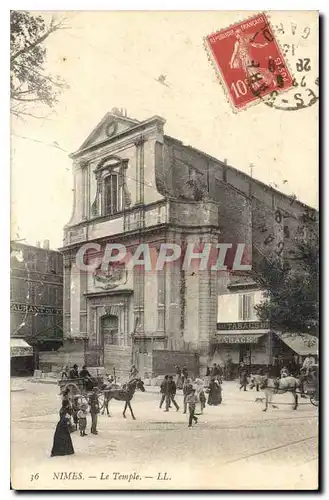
133,184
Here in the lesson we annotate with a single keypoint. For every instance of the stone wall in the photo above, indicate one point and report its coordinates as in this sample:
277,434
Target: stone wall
164,362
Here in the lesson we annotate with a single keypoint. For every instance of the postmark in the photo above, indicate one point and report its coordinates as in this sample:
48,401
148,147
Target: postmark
297,40
249,61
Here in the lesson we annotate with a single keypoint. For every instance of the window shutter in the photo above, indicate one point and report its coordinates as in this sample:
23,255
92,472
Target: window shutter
247,306
240,307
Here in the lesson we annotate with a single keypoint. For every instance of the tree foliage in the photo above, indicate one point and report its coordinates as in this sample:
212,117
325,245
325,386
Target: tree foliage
291,290
29,81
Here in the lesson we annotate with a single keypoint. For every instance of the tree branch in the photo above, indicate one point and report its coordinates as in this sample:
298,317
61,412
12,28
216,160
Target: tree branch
42,38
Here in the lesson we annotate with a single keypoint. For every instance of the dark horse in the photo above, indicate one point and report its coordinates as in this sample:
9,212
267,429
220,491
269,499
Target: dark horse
125,393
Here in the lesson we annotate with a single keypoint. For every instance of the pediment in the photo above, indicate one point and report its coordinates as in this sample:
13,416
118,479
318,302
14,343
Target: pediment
110,126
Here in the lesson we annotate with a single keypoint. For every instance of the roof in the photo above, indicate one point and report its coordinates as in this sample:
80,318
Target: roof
302,343
240,172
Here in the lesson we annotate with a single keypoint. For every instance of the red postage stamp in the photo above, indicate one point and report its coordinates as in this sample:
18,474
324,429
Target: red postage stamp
249,61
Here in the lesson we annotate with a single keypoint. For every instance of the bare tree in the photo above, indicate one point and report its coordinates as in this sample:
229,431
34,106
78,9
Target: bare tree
29,81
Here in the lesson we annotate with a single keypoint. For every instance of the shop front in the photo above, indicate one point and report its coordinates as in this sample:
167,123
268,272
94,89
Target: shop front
247,342
21,357
292,348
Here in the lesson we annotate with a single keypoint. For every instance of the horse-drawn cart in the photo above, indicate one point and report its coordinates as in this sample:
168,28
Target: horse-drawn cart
82,388
311,384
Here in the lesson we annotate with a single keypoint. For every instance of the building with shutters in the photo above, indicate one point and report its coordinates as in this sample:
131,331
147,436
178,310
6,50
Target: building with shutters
132,184
36,304
243,338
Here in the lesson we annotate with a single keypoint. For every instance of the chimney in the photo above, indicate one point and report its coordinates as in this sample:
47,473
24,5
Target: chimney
46,245
38,244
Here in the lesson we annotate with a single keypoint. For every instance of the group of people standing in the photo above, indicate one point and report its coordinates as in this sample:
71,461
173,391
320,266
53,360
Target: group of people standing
73,415
193,393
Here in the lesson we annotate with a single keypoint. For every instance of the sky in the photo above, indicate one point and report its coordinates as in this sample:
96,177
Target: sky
113,59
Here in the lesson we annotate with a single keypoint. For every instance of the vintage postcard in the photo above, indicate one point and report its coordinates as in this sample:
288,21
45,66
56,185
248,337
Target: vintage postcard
164,250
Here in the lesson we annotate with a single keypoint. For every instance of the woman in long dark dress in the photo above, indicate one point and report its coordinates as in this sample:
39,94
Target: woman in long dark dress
62,439
215,393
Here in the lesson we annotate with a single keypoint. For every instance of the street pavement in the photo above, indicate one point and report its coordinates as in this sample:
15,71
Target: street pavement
234,446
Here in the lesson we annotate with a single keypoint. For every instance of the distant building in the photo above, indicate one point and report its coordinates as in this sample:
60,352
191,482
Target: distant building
36,303
242,337
133,184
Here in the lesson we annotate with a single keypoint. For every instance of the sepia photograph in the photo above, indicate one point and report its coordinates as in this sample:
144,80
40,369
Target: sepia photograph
164,250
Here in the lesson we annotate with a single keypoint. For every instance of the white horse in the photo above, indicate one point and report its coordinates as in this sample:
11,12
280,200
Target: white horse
272,386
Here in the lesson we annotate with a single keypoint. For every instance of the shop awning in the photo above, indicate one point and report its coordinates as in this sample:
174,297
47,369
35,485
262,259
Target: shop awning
236,338
18,347
302,343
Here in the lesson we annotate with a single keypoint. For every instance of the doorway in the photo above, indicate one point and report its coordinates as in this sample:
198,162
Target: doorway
109,330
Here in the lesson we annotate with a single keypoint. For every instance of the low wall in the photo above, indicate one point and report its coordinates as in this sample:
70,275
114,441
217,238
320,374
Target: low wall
164,362
55,361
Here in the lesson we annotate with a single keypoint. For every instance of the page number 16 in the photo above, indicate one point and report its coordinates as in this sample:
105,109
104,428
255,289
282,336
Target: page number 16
239,88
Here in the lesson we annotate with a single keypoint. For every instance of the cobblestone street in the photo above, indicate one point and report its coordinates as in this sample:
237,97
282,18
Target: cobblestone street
230,439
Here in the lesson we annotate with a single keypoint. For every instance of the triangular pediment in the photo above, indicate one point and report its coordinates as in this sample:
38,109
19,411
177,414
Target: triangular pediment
111,125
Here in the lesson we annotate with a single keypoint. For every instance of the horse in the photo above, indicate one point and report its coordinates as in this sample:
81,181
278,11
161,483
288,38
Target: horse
275,386
125,393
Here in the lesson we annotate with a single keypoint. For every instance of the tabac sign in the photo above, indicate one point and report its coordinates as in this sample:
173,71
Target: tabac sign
244,325
27,308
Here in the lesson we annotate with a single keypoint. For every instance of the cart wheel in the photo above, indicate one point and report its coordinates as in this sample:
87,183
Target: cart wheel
101,400
314,400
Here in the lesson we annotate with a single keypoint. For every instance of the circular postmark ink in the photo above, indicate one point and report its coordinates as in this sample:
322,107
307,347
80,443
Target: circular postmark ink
303,93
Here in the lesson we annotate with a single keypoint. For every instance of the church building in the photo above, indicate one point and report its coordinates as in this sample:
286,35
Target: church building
133,184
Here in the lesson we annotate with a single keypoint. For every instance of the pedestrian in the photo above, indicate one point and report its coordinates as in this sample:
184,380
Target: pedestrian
215,371
228,368
215,393
184,374
179,378
133,372
82,419
199,391
163,390
243,376
307,363
62,443
65,372
94,410
74,372
192,400
75,409
66,397
170,388
187,389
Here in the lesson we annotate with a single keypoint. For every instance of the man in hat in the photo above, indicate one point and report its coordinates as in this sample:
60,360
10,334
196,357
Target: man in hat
87,379
94,410
74,373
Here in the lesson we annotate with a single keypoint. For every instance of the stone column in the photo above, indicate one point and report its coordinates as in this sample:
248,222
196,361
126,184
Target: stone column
67,295
139,144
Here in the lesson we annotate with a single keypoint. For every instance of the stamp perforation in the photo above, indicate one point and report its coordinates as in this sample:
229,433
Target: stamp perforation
218,70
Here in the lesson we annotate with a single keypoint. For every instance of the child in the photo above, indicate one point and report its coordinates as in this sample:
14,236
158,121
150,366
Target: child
75,409
192,400
82,418
187,389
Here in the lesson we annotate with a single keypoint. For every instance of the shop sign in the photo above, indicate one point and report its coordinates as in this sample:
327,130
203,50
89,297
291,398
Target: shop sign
238,339
27,308
244,325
